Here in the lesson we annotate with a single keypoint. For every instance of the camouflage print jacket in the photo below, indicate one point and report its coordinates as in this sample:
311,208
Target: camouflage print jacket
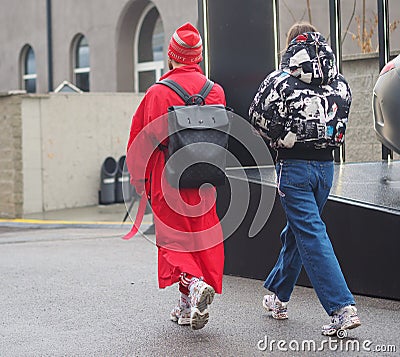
306,97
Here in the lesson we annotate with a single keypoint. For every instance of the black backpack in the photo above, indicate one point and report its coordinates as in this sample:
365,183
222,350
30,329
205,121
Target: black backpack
198,139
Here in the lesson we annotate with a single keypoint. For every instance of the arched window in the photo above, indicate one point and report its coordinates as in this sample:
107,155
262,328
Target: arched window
149,49
29,70
81,63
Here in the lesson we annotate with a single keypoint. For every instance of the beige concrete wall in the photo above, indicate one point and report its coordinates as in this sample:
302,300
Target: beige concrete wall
66,138
11,187
32,154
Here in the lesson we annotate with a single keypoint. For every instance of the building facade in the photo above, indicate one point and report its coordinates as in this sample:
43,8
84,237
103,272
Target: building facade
120,45
99,45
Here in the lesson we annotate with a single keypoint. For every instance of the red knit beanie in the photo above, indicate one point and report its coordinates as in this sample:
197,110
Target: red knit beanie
186,45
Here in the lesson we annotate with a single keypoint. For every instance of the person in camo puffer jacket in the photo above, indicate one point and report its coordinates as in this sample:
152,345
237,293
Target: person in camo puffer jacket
302,109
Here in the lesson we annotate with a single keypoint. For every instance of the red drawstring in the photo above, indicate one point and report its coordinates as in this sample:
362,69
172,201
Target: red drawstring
138,219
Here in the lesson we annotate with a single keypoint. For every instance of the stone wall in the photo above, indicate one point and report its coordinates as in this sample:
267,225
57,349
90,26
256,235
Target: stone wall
11,187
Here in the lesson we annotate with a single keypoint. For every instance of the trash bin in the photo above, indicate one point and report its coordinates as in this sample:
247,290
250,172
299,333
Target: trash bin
123,189
107,181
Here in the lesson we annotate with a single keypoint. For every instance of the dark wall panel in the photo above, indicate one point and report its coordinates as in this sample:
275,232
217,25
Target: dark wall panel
241,52
366,242
241,47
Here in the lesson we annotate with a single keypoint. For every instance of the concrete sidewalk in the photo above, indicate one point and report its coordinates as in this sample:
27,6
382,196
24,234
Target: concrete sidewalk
73,291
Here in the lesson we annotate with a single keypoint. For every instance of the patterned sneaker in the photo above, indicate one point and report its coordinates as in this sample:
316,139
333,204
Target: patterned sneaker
201,295
181,315
345,318
278,308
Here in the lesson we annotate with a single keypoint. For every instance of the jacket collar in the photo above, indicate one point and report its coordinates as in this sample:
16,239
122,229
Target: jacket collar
184,69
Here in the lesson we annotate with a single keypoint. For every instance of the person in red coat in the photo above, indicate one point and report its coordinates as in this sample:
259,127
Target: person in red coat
188,231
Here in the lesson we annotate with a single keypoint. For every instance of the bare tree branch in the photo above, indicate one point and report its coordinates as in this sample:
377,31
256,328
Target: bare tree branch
289,10
309,11
302,16
363,30
350,21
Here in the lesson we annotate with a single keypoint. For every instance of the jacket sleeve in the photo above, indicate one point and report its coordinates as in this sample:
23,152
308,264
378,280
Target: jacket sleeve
148,130
339,108
134,157
268,113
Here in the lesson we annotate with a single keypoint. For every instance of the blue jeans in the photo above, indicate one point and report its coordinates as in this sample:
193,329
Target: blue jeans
304,188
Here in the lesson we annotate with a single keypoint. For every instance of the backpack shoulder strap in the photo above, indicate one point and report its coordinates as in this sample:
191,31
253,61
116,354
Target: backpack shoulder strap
176,88
182,93
206,88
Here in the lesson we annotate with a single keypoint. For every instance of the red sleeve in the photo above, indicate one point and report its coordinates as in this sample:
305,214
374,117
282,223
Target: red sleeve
137,122
133,156
148,129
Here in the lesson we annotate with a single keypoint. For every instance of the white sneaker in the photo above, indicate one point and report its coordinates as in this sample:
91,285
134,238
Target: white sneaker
345,318
278,308
201,295
181,315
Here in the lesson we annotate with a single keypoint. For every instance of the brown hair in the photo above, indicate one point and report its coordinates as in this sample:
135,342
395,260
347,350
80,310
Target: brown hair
297,29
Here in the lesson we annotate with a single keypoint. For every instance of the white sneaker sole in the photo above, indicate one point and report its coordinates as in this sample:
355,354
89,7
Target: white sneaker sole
180,320
280,316
199,314
353,324
184,321
198,319
349,326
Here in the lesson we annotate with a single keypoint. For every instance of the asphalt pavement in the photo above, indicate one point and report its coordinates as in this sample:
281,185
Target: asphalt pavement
74,288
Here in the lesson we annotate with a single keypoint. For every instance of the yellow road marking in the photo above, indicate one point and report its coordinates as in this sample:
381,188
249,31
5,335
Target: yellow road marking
49,221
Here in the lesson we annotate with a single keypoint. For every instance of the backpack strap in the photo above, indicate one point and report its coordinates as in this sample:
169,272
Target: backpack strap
139,218
182,93
206,88
176,88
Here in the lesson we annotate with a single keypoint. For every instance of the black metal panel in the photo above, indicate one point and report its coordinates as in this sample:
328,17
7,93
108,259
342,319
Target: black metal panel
363,231
241,47
365,241
241,52
367,245
253,257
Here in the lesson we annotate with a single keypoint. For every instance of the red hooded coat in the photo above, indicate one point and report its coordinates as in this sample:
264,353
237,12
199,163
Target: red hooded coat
188,232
